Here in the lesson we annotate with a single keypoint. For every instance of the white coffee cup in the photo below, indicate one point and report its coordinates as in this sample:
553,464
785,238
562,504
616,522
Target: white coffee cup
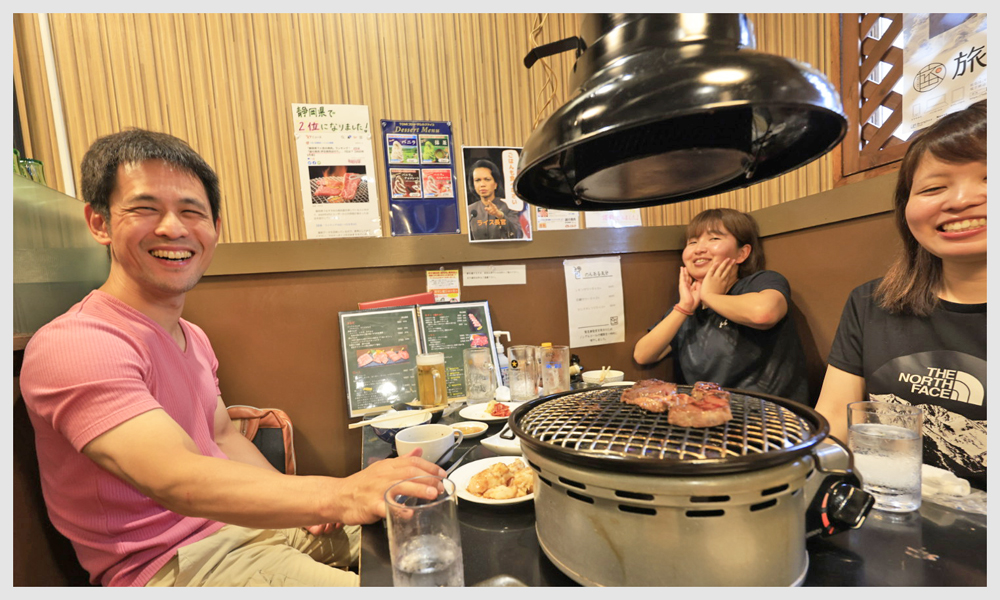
434,439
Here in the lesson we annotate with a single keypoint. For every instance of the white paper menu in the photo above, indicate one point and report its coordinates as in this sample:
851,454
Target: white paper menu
595,301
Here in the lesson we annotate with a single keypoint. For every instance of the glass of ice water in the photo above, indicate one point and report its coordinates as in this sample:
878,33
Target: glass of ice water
424,541
886,440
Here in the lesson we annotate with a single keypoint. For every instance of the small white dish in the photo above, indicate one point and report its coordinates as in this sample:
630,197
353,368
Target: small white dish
471,429
610,377
477,412
463,474
619,384
501,446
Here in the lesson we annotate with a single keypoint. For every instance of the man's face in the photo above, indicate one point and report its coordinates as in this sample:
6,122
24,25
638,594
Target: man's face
161,233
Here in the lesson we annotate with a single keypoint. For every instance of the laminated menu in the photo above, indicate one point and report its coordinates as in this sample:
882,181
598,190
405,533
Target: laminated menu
380,348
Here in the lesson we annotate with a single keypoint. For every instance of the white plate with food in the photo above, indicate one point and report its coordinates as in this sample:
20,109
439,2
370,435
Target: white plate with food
473,475
481,411
471,429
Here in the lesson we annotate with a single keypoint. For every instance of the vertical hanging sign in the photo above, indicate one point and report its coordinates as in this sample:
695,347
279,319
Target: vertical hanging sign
420,174
336,170
944,66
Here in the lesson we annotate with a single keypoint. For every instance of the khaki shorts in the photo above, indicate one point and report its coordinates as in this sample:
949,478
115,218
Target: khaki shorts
238,556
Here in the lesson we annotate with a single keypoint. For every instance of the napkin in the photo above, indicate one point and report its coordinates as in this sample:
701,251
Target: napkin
942,482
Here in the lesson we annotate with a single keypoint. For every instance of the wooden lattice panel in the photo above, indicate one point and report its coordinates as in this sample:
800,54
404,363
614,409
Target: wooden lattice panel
867,145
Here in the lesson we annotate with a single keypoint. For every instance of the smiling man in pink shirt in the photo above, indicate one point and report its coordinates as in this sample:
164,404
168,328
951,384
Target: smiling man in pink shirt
141,467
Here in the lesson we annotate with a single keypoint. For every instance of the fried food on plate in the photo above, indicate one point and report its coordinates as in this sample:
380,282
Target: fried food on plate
503,481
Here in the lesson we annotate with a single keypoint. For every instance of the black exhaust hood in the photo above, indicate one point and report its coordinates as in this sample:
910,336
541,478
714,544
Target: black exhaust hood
672,107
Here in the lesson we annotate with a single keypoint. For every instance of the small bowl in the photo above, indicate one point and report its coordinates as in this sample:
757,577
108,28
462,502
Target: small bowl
595,376
471,429
387,431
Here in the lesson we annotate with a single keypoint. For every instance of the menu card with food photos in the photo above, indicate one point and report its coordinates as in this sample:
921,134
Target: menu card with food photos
380,348
421,177
450,328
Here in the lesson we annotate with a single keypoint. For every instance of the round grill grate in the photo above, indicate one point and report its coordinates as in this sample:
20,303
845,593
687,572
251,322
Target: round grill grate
596,427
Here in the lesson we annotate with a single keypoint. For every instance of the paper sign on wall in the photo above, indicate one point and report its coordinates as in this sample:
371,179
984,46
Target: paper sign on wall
443,283
595,301
336,170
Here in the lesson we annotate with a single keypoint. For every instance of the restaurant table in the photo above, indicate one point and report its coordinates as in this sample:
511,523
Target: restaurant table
935,546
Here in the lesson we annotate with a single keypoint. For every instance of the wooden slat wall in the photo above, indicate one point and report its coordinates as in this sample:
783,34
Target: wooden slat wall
226,82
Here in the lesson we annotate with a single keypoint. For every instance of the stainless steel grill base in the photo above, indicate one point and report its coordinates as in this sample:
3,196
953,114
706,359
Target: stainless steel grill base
604,528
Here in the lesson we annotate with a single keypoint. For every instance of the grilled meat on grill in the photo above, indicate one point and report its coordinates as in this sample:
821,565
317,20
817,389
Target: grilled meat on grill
651,394
711,409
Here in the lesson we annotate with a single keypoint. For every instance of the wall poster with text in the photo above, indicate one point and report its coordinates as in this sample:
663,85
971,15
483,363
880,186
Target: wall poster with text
495,213
944,66
336,170
420,177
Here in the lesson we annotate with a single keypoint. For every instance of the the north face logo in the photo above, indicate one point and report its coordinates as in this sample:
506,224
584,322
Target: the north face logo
946,383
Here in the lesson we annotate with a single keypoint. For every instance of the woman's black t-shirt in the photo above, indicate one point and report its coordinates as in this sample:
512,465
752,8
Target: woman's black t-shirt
708,347
936,362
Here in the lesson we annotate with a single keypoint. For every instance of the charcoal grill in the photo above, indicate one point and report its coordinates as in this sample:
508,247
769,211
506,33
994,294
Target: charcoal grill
594,428
624,498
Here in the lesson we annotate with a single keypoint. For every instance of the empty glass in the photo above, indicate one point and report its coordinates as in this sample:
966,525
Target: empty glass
522,373
480,375
424,541
553,365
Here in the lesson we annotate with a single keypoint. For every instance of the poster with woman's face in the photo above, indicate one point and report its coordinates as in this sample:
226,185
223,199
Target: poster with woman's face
494,213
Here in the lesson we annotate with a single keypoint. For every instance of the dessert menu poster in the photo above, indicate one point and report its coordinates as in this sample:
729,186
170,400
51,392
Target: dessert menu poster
420,177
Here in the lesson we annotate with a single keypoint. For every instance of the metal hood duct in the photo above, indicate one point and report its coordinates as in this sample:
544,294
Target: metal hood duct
670,107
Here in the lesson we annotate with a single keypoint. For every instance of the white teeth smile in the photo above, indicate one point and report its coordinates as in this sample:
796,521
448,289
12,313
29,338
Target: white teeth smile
963,225
172,254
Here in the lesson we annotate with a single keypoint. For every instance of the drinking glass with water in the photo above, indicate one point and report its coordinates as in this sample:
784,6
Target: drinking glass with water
424,541
887,442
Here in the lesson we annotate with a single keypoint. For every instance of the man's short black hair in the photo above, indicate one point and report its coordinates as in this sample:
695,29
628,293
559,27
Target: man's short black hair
99,168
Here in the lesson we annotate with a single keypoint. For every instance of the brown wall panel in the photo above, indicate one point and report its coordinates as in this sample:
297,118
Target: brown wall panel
277,336
823,264
278,341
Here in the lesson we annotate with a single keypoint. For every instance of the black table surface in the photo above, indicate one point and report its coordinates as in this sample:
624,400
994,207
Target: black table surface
935,546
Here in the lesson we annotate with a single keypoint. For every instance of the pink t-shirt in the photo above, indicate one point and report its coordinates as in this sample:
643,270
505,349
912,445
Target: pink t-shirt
89,370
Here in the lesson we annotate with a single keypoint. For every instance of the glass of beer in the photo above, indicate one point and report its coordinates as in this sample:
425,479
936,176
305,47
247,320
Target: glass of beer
431,389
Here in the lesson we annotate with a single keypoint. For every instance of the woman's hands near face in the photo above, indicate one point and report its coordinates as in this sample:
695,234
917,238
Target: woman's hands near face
721,276
690,291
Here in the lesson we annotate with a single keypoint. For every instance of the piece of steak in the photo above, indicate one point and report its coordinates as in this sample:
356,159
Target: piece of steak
652,395
700,388
364,359
331,188
351,183
711,409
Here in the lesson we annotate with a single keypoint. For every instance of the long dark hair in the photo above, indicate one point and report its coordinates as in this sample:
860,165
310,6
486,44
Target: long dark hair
913,281
743,227
494,171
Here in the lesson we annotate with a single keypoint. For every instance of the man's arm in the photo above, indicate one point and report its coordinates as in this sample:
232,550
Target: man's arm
840,388
157,457
233,443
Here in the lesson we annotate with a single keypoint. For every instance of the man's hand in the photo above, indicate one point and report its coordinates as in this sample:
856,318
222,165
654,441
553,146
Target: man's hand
721,276
323,529
364,492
